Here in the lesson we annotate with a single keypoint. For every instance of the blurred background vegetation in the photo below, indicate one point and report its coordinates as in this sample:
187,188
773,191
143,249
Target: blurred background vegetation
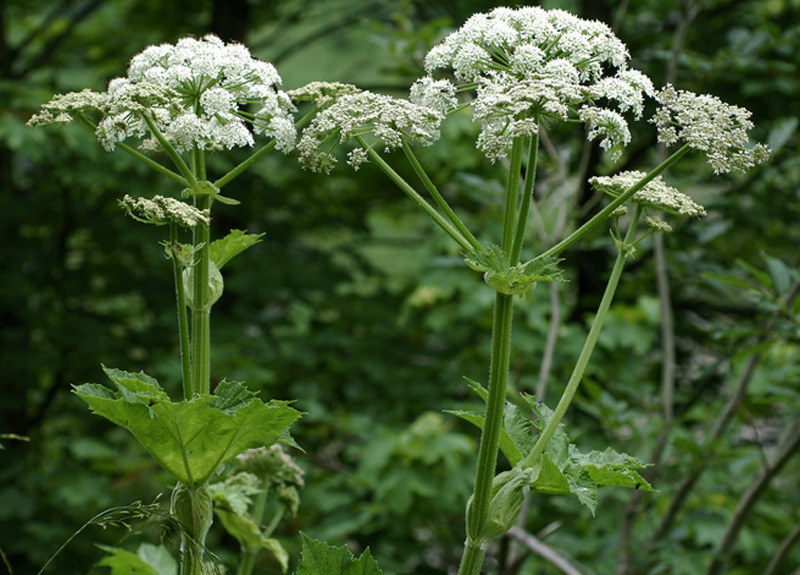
354,305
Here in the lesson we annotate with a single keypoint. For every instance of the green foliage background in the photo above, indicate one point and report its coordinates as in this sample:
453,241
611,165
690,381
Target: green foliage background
357,307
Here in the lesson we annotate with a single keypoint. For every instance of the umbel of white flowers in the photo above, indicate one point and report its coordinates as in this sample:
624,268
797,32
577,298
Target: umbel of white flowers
527,66
196,94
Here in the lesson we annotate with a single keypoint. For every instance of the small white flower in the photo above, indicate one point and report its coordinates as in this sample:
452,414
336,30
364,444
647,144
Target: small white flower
610,125
63,108
356,157
195,92
365,114
218,101
656,194
658,224
437,94
706,123
528,65
321,93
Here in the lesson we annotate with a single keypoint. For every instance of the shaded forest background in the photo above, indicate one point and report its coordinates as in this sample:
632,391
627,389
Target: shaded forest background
355,306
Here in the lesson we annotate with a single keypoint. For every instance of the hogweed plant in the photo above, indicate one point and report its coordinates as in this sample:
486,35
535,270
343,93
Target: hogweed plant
182,102
519,72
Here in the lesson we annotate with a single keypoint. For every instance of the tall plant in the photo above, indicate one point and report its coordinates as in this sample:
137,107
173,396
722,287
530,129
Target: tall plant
182,102
520,72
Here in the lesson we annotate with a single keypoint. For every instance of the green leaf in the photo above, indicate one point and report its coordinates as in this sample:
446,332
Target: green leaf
148,560
781,133
274,546
562,468
122,562
191,438
225,249
780,273
234,493
243,527
320,558
159,558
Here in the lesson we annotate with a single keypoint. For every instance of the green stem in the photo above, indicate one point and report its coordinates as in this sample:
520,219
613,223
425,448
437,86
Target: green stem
525,204
588,348
490,436
478,508
141,157
472,560
248,556
512,196
442,203
605,212
183,319
194,511
171,152
412,193
153,164
201,314
238,170
269,146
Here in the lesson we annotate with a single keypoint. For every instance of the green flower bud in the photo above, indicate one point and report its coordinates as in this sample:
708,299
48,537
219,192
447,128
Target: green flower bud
508,493
216,285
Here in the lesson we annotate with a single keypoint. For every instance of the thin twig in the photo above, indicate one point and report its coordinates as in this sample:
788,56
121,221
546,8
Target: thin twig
787,448
544,551
783,550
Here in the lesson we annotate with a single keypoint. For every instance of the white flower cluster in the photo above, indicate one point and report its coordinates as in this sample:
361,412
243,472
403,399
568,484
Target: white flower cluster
64,108
365,114
656,194
162,210
321,93
707,123
532,64
196,93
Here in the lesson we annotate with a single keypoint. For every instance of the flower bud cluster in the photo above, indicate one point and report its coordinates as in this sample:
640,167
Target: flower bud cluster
365,114
708,124
161,210
656,194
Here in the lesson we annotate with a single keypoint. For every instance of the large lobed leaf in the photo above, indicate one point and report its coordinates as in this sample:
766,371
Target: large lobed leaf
189,438
562,468
320,558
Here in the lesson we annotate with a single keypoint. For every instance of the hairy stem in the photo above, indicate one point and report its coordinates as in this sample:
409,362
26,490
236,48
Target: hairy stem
183,320
512,196
525,204
493,420
201,314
